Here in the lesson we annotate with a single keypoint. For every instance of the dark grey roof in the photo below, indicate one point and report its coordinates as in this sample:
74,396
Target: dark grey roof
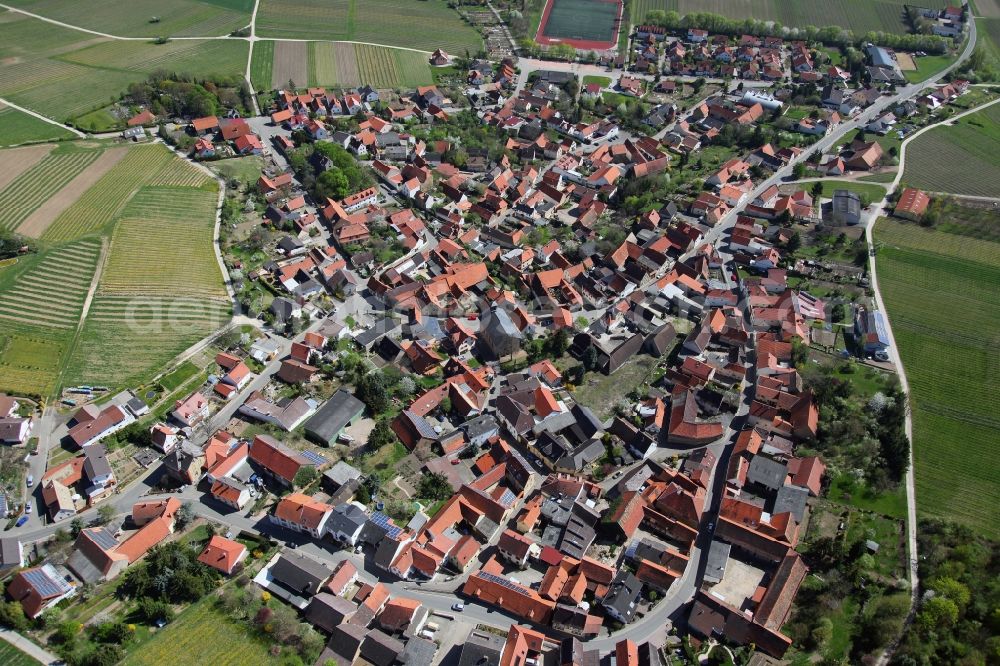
282,308
10,552
482,649
95,462
418,652
791,499
341,473
582,455
289,243
381,328
766,472
300,572
622,596
846,202
386,552
480,426
326,610
345,641
334,416
380,648
346,518
718,557
576,537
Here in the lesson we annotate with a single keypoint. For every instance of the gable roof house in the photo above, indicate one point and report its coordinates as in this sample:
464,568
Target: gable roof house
277,461
39,588
223,554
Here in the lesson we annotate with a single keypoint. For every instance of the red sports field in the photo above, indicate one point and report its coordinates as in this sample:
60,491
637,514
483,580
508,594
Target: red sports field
591,25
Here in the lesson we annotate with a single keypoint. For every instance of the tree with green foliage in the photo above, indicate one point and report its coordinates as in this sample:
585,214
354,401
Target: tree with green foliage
434,486
184,516
372,391
306,476
381,435
105,513
12,615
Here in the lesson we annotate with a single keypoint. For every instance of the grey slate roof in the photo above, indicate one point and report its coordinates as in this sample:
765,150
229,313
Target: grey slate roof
482,649
766,472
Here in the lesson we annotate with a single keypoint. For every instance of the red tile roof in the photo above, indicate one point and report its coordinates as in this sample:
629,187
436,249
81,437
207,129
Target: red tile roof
222,554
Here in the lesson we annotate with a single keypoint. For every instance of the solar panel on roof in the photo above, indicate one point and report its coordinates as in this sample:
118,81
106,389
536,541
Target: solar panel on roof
500,580
507,498
631,550
46,586
382,520
103,538
313,457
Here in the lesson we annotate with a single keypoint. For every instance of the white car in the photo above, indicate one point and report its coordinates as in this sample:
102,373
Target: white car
27,508
458,607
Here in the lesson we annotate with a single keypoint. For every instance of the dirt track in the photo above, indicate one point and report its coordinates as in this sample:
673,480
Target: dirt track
18,160
36,223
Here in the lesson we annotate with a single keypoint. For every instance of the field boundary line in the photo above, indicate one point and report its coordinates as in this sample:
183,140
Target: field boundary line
35,114
253,41
343,41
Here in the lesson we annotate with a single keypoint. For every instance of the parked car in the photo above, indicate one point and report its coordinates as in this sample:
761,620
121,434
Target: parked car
27,508
21,521
458,607
30,481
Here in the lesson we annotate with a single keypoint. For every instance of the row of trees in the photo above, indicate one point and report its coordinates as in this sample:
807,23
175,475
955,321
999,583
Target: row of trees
832,35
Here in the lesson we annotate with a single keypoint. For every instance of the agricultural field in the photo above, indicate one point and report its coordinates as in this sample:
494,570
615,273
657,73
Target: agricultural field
959,159
261,63
204,58
424,25
11,656
33,187
128,338
65,73
860,16
291,63
99,205
173,17
157,217
17,127
940,292
341,64
205,631
159,289
41,300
